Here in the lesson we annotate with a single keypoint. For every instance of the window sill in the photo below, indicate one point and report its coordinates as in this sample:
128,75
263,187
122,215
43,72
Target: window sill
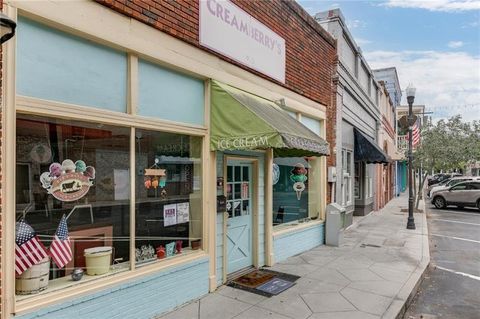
293,227
92,284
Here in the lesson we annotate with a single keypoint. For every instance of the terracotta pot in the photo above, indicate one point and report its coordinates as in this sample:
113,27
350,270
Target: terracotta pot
196,244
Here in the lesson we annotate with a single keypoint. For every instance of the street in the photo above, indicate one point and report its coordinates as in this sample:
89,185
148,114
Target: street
451,288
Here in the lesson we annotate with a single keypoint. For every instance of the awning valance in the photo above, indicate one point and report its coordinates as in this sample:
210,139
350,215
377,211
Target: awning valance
367,150
243,121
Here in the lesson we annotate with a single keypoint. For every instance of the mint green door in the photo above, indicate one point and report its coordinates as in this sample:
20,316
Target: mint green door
239,208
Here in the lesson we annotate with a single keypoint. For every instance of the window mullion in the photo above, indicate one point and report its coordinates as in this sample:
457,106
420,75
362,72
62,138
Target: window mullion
132,198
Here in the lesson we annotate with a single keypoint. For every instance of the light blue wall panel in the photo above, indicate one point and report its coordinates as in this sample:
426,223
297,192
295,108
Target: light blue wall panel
170,95
56,66
294,243
261,213
145,297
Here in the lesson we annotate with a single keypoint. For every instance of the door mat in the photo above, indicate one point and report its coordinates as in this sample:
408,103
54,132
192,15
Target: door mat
264,282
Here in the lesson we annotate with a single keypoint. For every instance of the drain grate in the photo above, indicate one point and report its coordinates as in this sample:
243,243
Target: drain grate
370,245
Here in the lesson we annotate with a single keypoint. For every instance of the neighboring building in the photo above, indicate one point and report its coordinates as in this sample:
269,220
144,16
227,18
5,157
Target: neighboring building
473,169
387,140
389,76
134,118
357,120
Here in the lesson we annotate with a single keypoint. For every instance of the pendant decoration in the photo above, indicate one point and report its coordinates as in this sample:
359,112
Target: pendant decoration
299,177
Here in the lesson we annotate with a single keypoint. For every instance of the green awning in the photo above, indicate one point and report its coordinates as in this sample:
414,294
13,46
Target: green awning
243,121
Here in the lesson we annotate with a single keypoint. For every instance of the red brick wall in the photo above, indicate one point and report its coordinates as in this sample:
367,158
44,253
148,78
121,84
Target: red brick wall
310,51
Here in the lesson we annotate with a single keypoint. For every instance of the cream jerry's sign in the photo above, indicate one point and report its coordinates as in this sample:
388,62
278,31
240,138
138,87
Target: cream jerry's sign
68,181
232,32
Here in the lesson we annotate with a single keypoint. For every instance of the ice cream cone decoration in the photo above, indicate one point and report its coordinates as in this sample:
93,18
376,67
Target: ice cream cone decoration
299,177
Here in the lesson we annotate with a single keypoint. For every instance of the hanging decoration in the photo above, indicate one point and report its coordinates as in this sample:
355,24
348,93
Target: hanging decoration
68,181
156,177
299,177
275,173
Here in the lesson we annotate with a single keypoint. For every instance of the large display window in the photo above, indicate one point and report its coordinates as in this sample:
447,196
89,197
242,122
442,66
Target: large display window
73,193
168,195
72,202
296,190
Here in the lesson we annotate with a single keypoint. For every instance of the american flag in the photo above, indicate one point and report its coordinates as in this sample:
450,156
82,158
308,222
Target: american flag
415,134
29,250
60,248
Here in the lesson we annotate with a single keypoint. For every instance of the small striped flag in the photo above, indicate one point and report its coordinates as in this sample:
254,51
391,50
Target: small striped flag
60,248
415,134
29,250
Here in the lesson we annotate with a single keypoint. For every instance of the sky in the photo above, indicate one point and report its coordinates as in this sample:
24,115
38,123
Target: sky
434,44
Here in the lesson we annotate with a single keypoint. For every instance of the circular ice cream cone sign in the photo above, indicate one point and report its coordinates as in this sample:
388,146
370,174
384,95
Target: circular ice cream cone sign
299,187
68,181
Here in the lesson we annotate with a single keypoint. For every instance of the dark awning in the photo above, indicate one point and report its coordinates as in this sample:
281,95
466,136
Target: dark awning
367,150
243,121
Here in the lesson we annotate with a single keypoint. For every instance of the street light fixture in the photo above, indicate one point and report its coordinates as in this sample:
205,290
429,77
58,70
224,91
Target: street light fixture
7,28
410,91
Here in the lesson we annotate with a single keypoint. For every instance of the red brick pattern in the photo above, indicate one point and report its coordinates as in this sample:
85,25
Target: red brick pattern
310,50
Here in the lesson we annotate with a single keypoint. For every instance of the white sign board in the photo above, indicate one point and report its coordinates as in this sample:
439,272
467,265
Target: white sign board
230,31
183,213
169,215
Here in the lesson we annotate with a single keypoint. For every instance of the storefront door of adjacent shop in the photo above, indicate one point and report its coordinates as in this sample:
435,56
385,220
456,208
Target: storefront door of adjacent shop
239,235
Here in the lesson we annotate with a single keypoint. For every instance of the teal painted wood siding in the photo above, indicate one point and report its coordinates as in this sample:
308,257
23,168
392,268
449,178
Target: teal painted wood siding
170,95
296,242
144,297
57,66
261,213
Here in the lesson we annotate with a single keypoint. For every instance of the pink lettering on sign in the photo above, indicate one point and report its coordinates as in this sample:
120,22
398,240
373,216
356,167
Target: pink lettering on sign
232,32
216,9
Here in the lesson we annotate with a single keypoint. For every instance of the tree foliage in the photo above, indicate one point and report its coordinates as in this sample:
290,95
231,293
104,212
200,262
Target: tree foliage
448,145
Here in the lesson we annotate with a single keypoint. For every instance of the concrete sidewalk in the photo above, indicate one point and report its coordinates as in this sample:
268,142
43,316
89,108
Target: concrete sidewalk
372,275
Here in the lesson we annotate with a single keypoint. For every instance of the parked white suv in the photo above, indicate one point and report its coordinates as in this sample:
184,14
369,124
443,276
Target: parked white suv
452,182
465,194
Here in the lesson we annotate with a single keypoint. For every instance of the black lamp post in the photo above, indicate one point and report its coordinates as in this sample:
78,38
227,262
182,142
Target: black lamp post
410,98
7,28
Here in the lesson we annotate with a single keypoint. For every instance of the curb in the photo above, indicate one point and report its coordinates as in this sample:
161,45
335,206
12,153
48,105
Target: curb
402,301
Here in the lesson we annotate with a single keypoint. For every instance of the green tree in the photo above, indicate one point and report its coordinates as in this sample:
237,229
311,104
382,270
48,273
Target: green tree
446,145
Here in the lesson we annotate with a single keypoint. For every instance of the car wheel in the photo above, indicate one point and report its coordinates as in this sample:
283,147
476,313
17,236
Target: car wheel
439,202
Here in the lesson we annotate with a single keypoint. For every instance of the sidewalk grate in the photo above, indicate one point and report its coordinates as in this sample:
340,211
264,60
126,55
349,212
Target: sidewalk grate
370,245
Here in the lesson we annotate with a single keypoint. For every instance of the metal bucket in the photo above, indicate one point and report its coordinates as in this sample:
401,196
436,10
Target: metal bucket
34,279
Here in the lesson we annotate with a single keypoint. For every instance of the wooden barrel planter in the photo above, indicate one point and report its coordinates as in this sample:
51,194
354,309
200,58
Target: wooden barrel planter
34,279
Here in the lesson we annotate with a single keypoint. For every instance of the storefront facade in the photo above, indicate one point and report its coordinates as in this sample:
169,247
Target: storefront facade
389,77
131,135
385,186
358,121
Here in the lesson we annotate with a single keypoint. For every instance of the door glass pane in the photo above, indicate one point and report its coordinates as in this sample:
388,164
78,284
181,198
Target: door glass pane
245,207
229,208
237,191
229,174
237,208
229,191
246,174
238,174
245,190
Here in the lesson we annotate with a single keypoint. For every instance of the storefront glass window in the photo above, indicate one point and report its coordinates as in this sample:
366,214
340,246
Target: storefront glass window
296,189
168,195
72,192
